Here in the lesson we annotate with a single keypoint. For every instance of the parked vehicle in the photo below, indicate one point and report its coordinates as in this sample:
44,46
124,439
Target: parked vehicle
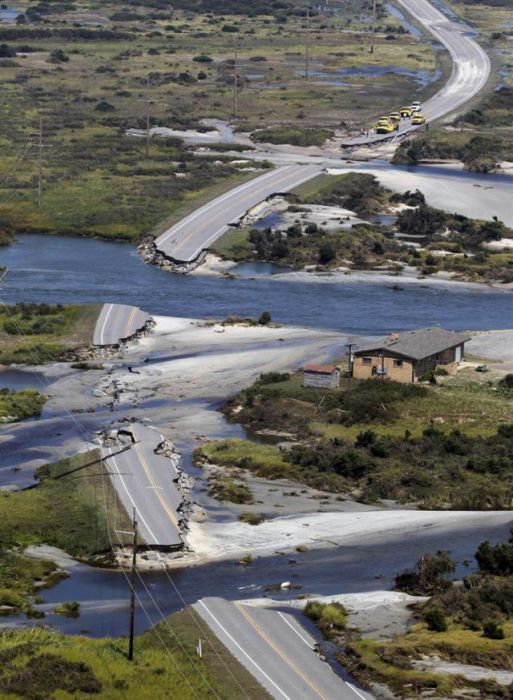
406,113
418,119
415,106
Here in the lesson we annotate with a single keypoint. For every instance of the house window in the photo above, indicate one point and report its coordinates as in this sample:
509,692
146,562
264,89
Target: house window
398,363
366,360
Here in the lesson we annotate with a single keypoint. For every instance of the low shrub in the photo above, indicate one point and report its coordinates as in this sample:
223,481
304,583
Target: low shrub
435,620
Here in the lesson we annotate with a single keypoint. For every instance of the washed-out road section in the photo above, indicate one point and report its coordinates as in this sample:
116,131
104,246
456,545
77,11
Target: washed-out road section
185,241
470,70
118,322
147,481
276,650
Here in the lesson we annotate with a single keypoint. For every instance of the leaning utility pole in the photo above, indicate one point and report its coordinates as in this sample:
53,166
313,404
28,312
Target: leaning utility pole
132,592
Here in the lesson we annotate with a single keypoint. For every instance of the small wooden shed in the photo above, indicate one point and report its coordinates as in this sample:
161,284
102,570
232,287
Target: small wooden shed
322,376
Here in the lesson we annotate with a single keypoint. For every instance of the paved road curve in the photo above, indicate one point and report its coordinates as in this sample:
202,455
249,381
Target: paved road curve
185,241
118,322
471,67
147,482
276,650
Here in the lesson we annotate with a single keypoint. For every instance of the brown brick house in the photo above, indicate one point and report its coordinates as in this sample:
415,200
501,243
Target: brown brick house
405,357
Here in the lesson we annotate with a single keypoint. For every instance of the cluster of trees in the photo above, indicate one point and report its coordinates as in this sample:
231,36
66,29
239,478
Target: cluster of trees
357,192
483,602
479,152
428,221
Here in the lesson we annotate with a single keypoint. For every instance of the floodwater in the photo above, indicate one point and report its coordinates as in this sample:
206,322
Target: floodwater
409,26
75,270
78,270
9,14
103,594
421,76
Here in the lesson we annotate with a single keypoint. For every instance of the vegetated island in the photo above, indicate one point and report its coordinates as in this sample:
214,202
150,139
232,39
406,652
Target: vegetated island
460,635
422,240
441,444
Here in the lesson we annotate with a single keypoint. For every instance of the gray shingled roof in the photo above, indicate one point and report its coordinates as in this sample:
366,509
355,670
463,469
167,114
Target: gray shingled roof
418,344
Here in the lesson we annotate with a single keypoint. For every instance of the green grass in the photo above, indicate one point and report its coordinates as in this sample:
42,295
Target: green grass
73,513
32,334
293,136
386,661
233,245
331,618
17,405
381,440
21,578
99,182
267,462
266,459
43,663
225,488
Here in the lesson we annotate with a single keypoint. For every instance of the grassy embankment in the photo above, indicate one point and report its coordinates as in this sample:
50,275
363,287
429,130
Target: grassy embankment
38,333
47,664
42,662
469,622
380,440
450,242
77,513
91,83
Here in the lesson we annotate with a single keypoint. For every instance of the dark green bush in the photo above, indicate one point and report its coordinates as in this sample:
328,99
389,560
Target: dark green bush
435,620
492,630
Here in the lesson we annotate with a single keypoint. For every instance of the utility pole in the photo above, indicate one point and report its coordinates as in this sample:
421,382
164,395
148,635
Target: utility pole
132,593
235,81
349,347
307,45
147,102
373,28
40,162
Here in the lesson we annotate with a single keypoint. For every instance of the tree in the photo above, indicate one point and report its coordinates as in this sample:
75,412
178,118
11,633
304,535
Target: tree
429,575
495,559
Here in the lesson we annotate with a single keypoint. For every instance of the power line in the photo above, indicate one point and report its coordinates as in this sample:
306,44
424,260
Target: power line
135,572
106,511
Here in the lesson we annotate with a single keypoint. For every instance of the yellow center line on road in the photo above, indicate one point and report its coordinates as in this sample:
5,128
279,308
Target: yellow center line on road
129,322
156,488
279,651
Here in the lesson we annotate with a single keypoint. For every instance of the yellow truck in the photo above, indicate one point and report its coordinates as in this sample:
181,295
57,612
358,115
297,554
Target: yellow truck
418,119
385,126
406,113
